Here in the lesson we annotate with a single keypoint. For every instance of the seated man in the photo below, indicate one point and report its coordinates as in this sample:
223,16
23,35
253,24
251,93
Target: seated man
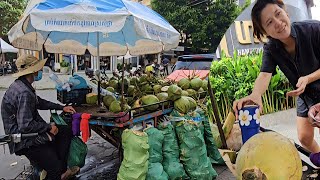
19,110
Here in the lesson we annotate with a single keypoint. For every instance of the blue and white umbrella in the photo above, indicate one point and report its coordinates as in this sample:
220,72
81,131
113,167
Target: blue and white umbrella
72,26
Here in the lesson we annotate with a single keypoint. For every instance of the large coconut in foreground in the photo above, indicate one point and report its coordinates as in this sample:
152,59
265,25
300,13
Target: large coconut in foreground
269,156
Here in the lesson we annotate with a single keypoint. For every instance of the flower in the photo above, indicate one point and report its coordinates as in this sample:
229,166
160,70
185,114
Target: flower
244,118
256,116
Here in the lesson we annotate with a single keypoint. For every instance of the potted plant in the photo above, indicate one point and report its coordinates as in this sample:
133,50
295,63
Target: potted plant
64,66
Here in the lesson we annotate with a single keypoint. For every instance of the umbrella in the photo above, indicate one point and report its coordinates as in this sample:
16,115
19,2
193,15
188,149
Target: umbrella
103,27
5,47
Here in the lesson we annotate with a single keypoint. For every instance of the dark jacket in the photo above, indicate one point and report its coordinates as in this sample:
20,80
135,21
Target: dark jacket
19,111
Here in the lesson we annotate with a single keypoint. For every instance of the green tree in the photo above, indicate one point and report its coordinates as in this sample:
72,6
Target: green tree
10,12
202,24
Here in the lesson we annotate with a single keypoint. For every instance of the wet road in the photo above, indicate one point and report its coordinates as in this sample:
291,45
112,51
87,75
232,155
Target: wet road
101,161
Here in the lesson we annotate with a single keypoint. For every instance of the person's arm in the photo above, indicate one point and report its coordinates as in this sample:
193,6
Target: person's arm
48,105
25,109
260,86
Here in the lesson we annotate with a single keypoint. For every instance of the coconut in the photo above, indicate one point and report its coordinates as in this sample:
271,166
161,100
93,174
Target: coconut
205,85
147,88
157,88
193,103
104,85
164,88
134,81
131,90
143,78
268,155
150,99
91,98
115,107
196,83
111,89
182,105
163,97
114,84
184,93
192,93
174,92
108,99
184,83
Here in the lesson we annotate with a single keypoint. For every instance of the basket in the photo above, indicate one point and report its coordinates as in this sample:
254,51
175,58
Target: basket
76,96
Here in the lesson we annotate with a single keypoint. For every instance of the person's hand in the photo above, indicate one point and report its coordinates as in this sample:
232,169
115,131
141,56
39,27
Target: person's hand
314,115
301,86
69,109
54,130
251,99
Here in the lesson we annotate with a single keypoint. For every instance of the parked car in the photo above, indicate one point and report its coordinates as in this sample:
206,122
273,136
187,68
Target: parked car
194,62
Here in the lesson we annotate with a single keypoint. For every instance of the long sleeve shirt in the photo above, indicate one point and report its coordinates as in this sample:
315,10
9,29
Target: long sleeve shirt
19,111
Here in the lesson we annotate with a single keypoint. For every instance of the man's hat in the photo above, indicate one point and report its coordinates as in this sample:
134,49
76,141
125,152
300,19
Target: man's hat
28,64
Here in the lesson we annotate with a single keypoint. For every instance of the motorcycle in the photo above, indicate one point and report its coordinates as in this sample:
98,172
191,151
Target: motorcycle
30,172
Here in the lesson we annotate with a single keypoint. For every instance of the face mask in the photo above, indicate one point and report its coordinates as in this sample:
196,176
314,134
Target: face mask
38,77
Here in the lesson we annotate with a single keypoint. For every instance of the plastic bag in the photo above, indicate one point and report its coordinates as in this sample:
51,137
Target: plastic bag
77,152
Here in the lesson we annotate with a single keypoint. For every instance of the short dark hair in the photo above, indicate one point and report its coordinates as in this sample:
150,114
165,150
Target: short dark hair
259,5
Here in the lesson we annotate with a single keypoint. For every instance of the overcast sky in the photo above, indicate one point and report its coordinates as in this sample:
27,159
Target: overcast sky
316,10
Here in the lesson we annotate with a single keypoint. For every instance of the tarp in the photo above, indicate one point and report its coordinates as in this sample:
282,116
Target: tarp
179,74
5,47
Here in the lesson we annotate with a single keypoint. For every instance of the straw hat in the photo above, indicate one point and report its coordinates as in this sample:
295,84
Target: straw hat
28,64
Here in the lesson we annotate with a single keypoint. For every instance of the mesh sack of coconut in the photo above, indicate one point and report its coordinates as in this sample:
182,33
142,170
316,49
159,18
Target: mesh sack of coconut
197,165
212,149
155,140
171,162
156,172
136,155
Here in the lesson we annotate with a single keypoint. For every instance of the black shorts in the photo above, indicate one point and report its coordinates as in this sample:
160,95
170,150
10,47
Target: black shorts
303,106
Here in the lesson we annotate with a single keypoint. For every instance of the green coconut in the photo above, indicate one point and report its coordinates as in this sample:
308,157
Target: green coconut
111,89
150,99
134,81
182,105
147,88
202,93
91,98
163,97
114,84
184,93
205,85
131,90
193,103
174,92
143,78
196,83
164,88
157,88
104,85
108,99
192,93
115,107
184,83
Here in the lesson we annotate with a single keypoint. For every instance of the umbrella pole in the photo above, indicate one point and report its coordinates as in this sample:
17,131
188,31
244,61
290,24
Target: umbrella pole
98,69
122,86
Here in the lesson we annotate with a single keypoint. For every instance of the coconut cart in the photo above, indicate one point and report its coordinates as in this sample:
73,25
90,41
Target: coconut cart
309,171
